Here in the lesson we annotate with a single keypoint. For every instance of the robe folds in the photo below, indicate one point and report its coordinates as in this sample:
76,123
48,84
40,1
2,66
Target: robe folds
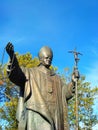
43,99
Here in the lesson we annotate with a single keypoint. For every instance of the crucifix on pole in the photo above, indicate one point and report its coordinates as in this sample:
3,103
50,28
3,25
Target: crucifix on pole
76,59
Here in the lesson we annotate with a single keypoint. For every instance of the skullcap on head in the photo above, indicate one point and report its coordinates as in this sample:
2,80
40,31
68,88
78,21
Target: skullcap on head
45,51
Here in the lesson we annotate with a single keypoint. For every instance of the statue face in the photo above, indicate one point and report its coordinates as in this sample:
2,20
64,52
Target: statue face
45,56
47,61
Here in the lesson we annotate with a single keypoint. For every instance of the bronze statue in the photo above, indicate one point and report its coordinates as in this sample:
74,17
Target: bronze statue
43,96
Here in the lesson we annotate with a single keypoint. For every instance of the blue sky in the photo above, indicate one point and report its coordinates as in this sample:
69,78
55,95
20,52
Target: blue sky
60,24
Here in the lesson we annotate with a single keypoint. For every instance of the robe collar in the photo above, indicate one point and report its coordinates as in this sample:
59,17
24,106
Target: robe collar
45,70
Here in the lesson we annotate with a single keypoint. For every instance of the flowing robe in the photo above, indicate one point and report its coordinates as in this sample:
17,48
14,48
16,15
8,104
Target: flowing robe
43,98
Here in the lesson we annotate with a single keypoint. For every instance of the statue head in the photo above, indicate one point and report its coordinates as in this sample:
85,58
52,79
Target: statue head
45,56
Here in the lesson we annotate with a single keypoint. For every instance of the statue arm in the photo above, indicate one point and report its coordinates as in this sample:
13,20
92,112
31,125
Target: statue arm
69,90
15,73
70,87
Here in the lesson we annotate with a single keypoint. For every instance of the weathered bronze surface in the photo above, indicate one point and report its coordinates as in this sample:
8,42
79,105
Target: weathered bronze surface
43,96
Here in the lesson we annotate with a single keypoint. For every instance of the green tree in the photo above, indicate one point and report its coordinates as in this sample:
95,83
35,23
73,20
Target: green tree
86,95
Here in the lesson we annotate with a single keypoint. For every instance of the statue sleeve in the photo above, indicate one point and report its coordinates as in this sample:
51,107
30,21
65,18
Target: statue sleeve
15,73
69,90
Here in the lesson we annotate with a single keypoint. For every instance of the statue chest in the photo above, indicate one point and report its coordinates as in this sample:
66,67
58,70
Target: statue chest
48,88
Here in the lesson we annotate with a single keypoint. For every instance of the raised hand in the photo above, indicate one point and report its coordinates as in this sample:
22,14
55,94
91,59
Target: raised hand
10,49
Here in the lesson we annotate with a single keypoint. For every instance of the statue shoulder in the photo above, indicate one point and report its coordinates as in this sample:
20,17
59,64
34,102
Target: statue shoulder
25,69
57,76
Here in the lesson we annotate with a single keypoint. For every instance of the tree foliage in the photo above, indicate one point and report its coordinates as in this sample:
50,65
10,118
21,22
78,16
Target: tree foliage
86,96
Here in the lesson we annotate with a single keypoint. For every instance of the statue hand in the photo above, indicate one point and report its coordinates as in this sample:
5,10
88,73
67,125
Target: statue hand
10,49
75,76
